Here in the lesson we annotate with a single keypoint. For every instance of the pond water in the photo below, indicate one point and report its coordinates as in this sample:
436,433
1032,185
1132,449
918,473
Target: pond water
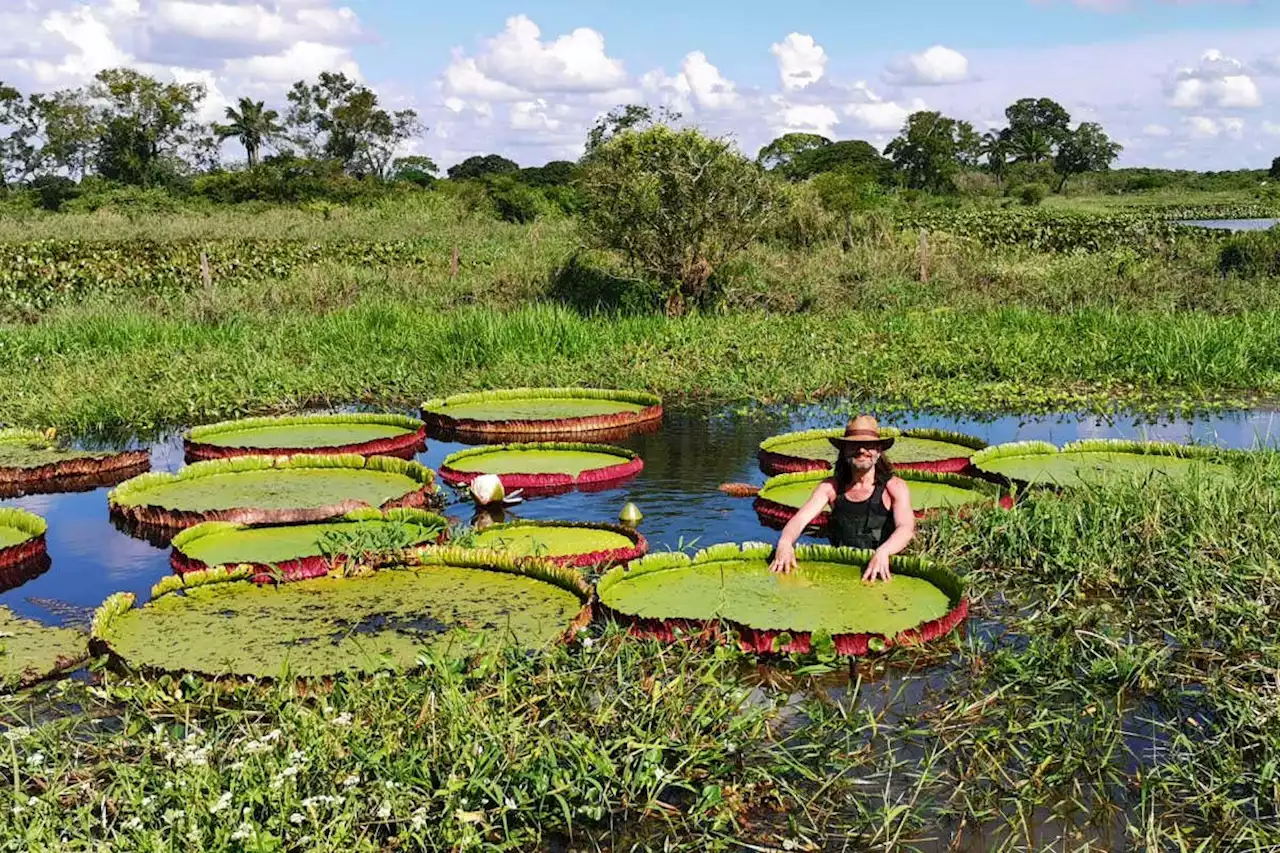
1232,224
685,462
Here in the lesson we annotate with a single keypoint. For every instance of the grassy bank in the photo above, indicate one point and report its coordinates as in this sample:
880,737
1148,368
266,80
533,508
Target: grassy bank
97,368
1115,690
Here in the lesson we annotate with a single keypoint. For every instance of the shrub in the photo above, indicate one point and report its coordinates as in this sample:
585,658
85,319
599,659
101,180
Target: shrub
1032,194
53,191
515,201
1251,254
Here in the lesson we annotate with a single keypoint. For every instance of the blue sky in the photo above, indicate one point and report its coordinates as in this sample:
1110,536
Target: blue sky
1181,83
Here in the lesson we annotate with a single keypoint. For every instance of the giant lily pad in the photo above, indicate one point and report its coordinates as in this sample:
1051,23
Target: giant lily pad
527,412
1097,462
21,537
565,543
220,623
782,495
824,597
294,552
30,461
545,468
934,450
271,490
363,434
31,652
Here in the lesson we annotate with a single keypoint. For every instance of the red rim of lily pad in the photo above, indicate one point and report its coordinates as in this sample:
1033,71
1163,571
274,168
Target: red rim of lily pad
149,516
772,641
616,425
298,568
593,479
774,462
15,575
31,548
403,446
588,559
95,465
776,515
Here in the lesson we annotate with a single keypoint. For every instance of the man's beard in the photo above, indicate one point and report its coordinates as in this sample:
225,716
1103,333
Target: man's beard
863,465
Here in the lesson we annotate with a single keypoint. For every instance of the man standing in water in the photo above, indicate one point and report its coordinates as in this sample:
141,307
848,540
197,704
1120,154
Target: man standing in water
870,508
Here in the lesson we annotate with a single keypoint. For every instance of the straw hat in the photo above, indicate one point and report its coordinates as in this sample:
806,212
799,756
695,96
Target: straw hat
864,429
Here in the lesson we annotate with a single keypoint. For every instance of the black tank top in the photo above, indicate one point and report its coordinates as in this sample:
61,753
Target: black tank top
864,524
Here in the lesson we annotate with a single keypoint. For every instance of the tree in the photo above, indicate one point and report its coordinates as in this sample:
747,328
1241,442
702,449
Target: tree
339,119
995,149
929,150
143,121
253,124
15,148
1274,174
417,169
1086,149
779,153
624,118
557,173
851,155
70,131
677,205
1036,127
480,166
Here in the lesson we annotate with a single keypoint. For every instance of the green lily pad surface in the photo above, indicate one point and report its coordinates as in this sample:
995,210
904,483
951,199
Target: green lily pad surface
535,409
334,625
532,461
302,436
907,449
276,489
822,594
30,449
927,492
1095,463
218,543
10,536
548,540
30,651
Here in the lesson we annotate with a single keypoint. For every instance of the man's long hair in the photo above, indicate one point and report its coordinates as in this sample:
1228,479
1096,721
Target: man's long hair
844,471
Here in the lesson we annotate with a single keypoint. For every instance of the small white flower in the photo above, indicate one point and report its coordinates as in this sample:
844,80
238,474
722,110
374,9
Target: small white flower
147,801
222,803
296,818
509,803
588,642
35,759
16,733
343,719
419,819
171,816
33,801
659,773
243,832
133,823
297,757
353,779
479,749
384,810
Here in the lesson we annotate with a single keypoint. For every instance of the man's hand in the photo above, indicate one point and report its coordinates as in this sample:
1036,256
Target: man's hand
877,568
784,559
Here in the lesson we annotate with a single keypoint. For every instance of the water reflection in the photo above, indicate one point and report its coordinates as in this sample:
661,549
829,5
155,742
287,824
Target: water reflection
695,451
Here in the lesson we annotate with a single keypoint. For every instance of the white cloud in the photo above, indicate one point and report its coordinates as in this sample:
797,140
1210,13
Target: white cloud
1271,128
576,62
1204,127
1156,130
302,60
936,66
801,61
699,85
805,118
1217,81
463,78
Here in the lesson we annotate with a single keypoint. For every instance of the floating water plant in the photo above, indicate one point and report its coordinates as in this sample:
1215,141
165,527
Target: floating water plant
565,543
363,434
21,537
294,552
271,490
934,450
544,468
529,412
32,461
31,652
823,601
1097,461
781,496
221,623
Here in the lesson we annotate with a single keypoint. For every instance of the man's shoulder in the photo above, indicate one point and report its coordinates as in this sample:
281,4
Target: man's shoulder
896,485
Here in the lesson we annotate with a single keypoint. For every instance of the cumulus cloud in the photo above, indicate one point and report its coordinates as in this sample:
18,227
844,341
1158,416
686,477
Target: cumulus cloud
1156,130
936,66
1204,127
1217,81
801,61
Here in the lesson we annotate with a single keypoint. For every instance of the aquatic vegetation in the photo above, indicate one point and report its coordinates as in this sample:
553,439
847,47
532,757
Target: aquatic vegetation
524,412
31,652
271,490
1101,461
781,496
578,544
824,602
299,551
363,434
544,467
21,537
940,451
221,623
29,459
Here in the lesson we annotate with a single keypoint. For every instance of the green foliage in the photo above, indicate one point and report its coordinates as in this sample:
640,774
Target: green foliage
1251,254
1031,195
851,156
627,117
516,201
557,173
144,122
1085,149
781,152
676,205
339,119
478,166
253,124
1274,172
931,150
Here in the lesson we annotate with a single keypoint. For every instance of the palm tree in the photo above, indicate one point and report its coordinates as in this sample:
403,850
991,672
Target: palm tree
253,125
995,148
1030,145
